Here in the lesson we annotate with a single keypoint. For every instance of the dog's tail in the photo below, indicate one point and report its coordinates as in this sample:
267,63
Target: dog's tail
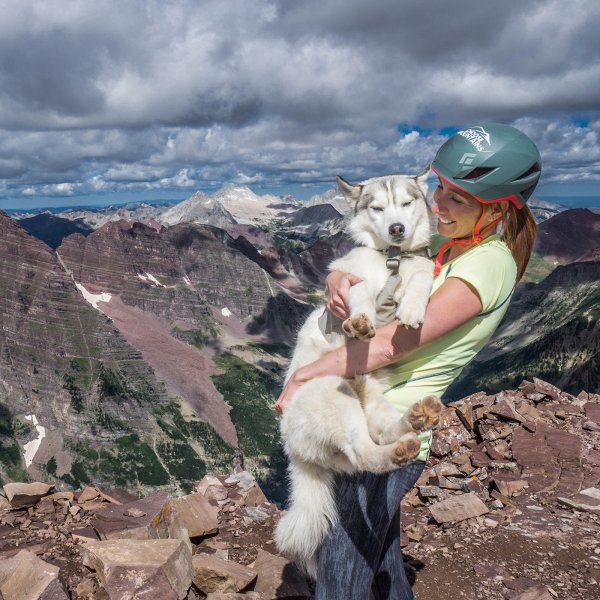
312,512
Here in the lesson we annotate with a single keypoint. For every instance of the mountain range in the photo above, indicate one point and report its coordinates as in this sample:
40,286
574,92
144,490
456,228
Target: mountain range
145,346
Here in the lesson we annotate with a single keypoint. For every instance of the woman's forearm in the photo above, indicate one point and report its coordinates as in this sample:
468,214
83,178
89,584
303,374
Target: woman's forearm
357,357
453,304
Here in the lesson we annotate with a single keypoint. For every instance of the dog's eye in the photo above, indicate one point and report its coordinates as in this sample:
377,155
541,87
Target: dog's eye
407,203
377,208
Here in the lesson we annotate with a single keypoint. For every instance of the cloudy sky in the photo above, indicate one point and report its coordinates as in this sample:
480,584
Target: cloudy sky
117,100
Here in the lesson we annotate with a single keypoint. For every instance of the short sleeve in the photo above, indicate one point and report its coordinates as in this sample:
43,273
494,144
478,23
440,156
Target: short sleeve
490,270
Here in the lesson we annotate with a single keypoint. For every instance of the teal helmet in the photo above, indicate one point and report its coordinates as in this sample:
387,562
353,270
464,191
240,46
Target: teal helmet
492,162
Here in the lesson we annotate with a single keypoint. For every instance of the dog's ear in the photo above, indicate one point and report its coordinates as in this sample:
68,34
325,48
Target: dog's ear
421,179
350,190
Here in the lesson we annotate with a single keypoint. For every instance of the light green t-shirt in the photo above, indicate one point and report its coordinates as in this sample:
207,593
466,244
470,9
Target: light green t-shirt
490,269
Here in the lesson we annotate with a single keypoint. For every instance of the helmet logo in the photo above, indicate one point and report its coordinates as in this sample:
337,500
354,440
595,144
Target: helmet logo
478,136
467,160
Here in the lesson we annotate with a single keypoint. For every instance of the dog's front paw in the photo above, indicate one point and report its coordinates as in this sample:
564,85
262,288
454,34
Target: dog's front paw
407,449
359,327
424,414
410,315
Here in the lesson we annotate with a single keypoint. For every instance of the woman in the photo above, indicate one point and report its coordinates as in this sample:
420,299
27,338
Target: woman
486,175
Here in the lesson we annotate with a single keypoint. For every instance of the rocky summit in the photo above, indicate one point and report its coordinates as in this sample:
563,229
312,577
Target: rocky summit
508,507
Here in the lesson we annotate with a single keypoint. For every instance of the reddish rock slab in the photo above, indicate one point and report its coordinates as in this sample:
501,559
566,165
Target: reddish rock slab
141,569
570,481
588,500
199,516
567,446
542,479
458,508
39,577
592,412
529,449
213,574
22,495
157,520
505,408
543,387
278,578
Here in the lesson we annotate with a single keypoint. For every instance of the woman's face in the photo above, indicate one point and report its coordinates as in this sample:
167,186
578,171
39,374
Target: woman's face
457,212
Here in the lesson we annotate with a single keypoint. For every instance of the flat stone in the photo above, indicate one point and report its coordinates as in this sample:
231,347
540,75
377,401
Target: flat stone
539,592
566,445
431,491
511,487
201,486
84,534
89,493
505,408
234,596
213,574
159,521
529,449
586,500
278,578
543,387
439,447
465,414
255,496
592,412
216,492
243,479
131,568
255,513
199,516
22,495
458,508
41,578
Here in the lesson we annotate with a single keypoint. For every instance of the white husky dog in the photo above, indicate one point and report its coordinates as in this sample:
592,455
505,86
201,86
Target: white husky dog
336,425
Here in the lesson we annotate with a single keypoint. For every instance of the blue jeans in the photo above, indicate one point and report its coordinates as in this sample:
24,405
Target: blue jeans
362,554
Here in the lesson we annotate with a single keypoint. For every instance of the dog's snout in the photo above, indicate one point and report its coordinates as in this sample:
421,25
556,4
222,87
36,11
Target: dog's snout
396,229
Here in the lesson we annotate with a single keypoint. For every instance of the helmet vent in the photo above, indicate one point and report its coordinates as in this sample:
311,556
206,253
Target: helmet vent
478,172
535,168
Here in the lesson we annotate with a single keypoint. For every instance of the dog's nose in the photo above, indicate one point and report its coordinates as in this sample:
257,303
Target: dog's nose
396,229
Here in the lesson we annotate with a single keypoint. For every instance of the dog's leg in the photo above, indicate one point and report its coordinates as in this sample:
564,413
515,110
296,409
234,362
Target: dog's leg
421,416
412,299
424,414
361,323
325,425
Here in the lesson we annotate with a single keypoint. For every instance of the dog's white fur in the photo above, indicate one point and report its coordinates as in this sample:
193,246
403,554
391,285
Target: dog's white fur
334,425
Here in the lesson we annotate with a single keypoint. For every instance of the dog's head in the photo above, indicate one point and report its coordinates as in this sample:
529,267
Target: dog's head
389,211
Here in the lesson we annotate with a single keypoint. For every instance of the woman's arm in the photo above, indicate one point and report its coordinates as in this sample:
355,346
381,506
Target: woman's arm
454,303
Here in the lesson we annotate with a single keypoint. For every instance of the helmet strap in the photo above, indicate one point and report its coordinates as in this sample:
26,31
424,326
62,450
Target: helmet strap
476,237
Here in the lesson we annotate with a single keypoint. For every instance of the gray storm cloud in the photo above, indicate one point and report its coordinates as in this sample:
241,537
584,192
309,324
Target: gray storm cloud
104,96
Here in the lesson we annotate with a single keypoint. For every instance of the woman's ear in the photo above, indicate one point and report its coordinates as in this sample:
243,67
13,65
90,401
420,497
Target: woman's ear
498,209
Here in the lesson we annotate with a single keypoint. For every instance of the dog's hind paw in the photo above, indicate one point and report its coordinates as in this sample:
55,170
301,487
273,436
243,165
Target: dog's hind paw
407,449
359,327
425,414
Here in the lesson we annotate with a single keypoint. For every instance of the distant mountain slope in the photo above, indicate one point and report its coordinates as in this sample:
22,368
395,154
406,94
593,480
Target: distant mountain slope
52,229
551,331
77,400
569,236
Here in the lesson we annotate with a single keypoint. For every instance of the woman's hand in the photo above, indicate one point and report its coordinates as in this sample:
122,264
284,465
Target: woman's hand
290,388
338,285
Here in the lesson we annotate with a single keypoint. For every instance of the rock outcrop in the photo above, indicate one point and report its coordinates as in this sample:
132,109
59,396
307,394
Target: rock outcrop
507,508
